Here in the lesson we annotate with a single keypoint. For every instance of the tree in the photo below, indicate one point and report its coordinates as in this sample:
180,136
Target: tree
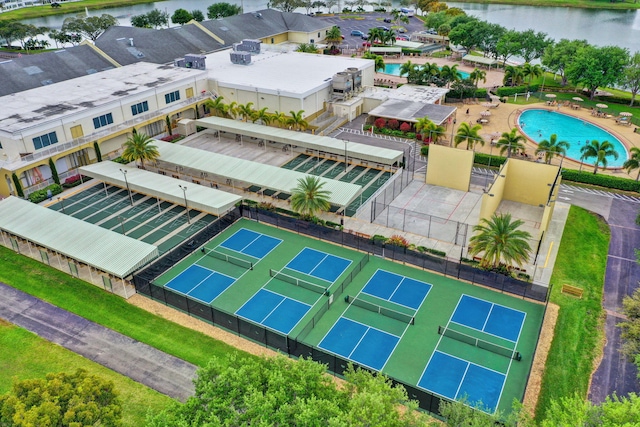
510,142
476,75
158,18
9,30
468,133
54,171
532,44
245,111
377,59
631,76
139,147
633,162
558,56
374,35
531,71
427,127
334,36
223,10
308,197
449,74
600,151
280,118
285,5
631,325
181,16
140,21
307,48
508,45
90,27
551,148
594,67
513,75
62,399
262,115
197,15
499,240
297,121
217,106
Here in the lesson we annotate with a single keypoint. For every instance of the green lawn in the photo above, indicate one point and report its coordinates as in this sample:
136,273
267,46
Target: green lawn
579,332
25,355
75,7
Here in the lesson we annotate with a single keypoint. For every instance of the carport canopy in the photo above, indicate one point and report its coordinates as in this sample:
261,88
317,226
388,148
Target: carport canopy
163,187
385,156
480,60
87,243
248,172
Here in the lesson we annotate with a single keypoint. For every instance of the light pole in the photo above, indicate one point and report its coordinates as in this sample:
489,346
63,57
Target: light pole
124,172
345,155
184,192
61,201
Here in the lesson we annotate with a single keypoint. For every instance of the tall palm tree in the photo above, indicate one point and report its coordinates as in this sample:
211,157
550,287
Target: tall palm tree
476,75
217,106
499,240
280,118
374,35
334,36
245,111
513,74
599,150
308,197
449,74
427,127
139,147
429,71
551,148
407,68
531,71
633,162
510,142
297,121
377,59
262,115
468,133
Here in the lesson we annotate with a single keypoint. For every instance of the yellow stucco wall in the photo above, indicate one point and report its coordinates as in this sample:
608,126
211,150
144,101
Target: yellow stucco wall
449,167
529,182
492,198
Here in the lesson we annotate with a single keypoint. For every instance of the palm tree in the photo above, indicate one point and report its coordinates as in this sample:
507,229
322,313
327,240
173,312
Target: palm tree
468,133
552,148
232,109
377,59
449,74
280,118
297,120
498,239
262,115
217,106
245,111
334,36
599,150
476,75
427,127
374,34
513,74
308,197
428,71
407,68
138,147
633,162
511,141
531,71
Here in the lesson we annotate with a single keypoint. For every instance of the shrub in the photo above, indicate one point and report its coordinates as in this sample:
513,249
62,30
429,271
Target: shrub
17,184
393,124
405,127
424,151
171,138
512,90
74,180
419,137
586,177
120,160
421,248
267,206
380,123
378,239
41,195
436,252
409,135
398,240
486,159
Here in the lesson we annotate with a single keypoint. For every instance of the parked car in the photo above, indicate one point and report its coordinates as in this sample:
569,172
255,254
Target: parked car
357,33
401,30
382,27
403,38
387,20
365,37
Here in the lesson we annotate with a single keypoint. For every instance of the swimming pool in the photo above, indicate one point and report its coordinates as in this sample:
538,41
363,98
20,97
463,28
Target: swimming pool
394,70
541,124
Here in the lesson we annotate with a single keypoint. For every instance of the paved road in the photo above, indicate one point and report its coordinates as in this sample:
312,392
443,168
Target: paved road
140,362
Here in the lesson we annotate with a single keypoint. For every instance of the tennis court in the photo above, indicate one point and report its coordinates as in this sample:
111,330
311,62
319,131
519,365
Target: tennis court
397,288
256,245
319,264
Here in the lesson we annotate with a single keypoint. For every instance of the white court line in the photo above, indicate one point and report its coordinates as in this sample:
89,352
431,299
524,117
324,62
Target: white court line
487,318
198,284
461,380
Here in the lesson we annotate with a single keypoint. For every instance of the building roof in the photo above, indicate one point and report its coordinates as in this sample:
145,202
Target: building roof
163,187
21,111
480,60
34,71
244,172
87,243
305,73
327,144
412,111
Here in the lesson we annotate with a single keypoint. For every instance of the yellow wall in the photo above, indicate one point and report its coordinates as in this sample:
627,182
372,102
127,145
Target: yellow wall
449,167
492,198
548,209
529,182
278,38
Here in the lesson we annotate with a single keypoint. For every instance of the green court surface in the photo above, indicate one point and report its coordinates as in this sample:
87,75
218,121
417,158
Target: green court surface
416,342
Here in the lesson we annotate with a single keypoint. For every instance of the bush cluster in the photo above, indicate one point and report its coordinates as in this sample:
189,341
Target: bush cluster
512,90
172,138
41,195
486,159
74,180
607,181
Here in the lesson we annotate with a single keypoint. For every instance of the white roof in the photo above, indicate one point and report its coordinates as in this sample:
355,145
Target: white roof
327,144
244,172
479,59
163,187
87,243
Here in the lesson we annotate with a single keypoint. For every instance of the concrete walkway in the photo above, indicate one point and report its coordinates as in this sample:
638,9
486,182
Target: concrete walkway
140,362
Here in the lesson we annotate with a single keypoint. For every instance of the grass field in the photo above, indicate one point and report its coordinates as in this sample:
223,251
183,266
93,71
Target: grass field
25,355
579,332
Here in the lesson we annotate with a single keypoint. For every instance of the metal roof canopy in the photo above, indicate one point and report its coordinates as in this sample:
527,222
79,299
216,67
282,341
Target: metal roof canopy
163,187
413,111
253,173
385,156
90,244
480,60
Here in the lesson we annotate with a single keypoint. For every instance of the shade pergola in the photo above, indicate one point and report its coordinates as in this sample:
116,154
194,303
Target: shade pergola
90,244
385,156
240,172
163,187
480,60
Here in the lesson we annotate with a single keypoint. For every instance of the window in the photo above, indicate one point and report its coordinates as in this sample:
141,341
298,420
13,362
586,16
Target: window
139,108
172,97
104,120
45,140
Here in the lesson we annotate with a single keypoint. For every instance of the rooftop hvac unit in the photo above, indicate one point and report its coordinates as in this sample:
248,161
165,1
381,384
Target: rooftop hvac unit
356,77
191,61
342,82
252,46
179,62
243,58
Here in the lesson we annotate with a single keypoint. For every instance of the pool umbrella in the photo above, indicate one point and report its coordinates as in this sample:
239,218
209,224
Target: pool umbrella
602,106
626,114
550,95
577,98
487,104
485,113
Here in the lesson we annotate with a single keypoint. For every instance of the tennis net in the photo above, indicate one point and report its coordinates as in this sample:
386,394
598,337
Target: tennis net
229,258
480,343
394,314
298,282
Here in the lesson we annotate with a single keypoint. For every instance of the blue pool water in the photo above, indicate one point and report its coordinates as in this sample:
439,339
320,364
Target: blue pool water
541,124
394,70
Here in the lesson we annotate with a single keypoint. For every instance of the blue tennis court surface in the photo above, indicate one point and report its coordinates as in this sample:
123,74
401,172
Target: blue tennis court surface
251,243
274,310
319,264
396,288
488,317
455,378
201,283
359,343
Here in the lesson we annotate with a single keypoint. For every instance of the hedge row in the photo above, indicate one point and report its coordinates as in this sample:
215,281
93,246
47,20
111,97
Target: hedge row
41,195
512,90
